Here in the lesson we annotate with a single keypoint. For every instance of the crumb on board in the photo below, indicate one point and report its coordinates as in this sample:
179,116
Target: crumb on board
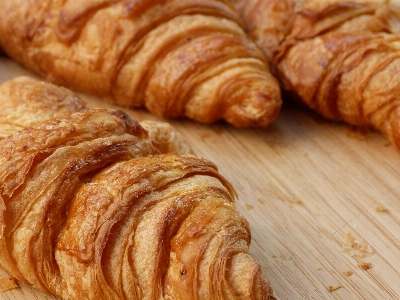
356,132
348,273
249,206
8,283
297,202
365,266
356,247
379,207
333,288
262,201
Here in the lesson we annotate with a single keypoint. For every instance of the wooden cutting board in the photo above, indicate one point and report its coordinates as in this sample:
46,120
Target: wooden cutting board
303,184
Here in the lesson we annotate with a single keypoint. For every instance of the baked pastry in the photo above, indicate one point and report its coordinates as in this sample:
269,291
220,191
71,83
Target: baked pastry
178,58
340,58
95,206
26,101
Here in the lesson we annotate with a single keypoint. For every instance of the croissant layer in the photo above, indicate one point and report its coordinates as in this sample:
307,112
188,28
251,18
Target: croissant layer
94,205
26,101
178,58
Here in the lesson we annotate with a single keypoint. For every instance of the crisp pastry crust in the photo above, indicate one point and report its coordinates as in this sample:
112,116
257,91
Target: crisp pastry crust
340,58
93,205
26,101
178,58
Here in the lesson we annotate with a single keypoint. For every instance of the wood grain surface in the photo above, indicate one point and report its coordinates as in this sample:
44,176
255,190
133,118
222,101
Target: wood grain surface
303,184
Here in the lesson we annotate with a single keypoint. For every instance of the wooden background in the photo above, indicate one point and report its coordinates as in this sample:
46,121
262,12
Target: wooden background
303,184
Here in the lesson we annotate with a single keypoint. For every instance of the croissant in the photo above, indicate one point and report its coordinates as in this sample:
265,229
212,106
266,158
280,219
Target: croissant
93,205
340,58
178,58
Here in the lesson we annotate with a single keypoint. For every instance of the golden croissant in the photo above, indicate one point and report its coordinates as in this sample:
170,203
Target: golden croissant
93,205
341,58
178,58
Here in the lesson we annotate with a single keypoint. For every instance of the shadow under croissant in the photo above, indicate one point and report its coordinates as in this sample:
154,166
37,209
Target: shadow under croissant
96,206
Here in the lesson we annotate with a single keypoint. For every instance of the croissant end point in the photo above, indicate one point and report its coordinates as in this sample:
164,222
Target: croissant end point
257,111
247,280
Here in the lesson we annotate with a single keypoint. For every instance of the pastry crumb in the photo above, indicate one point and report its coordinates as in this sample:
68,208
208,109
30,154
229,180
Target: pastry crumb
296,202
333,288
365,266
356,247
380,207
8,283
348,273
262,201
356,132
249,207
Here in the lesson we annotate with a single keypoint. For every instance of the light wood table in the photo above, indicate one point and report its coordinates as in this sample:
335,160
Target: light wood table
303,184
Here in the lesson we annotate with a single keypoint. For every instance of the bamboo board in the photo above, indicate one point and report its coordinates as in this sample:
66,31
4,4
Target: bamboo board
303,184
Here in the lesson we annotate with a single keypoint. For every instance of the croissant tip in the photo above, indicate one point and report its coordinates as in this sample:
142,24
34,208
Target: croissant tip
247,280
256,111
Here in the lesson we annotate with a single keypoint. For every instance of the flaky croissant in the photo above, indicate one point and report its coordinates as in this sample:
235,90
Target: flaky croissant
95,206
341,58
175,57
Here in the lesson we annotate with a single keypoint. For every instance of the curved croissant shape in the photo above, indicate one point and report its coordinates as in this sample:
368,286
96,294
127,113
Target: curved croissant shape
95,206
341,58
175,57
